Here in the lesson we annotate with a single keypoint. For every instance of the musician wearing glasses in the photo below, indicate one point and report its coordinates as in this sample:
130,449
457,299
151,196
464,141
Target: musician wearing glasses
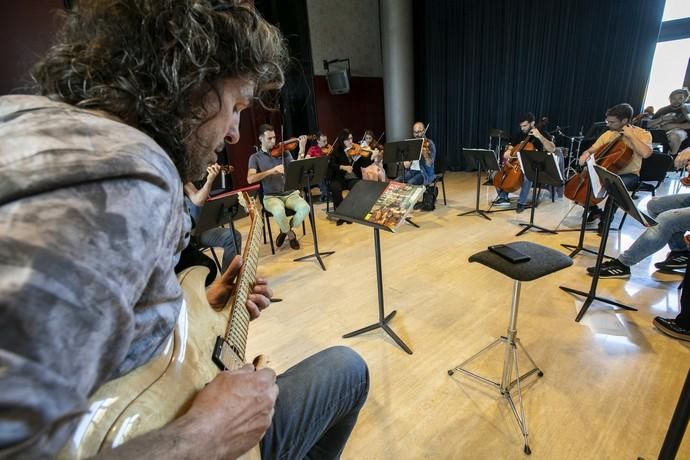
637,139
420,172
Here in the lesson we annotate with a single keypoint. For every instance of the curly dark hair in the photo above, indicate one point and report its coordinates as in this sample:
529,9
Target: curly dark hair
152,62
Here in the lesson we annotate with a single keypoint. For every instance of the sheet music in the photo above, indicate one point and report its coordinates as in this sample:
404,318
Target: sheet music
598,191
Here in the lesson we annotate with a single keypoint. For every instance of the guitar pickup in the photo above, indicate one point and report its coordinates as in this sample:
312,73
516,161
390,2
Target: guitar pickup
225,356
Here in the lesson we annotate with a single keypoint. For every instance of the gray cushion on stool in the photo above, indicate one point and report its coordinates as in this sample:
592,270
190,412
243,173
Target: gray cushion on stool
542,261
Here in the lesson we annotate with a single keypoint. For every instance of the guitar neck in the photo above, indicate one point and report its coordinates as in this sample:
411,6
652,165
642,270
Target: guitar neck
238,325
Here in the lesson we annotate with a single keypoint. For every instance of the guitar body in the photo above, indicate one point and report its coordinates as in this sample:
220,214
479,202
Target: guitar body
155,394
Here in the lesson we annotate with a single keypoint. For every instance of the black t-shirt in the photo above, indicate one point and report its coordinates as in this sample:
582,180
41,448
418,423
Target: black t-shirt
520,136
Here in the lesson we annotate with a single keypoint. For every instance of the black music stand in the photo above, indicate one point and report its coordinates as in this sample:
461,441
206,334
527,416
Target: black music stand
354,208
483,159
580,246
301,174
401,151
618,193
540,168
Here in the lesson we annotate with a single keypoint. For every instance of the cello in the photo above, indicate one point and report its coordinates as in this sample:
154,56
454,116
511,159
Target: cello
613,156
510,177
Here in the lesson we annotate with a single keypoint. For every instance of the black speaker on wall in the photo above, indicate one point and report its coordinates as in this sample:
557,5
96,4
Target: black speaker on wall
298,105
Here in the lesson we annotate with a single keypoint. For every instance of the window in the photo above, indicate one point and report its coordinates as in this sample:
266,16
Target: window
671,62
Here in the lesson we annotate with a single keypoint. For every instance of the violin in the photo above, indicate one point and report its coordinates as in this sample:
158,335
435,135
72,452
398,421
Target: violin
288,145
227,169
327,149
357,150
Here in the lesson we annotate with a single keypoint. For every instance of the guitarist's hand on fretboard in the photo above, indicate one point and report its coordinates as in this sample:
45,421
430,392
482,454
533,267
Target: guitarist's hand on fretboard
220,291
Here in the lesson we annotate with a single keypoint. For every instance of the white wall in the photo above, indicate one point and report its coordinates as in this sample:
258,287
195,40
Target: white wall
342,29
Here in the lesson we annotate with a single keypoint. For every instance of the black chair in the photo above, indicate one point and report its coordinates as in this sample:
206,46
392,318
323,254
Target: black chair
439,176
267,222
653,169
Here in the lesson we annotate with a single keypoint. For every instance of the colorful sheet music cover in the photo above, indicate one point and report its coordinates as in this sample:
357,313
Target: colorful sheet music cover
394,204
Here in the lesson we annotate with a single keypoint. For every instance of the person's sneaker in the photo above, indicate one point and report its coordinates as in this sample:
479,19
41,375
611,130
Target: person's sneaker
294,244
594,214
280,239
520,208
669,327
611,269
339,222
674,261
501,202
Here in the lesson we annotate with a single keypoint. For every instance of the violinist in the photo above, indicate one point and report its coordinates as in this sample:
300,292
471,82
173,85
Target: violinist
639,140
341,171
540,141
270,171
318,150
421,171
374,171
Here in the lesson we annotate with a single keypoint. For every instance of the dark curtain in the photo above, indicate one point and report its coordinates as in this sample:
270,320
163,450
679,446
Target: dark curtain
479,64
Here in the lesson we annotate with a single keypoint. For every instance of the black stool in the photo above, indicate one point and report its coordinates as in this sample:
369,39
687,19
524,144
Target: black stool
543,261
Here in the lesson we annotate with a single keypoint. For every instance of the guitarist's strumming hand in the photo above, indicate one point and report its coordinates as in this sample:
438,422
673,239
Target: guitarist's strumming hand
221,289
232,412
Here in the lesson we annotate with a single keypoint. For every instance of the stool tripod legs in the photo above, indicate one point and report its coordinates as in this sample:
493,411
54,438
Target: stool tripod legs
510,365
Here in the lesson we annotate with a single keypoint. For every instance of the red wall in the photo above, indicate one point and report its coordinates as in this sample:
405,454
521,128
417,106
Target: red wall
360,109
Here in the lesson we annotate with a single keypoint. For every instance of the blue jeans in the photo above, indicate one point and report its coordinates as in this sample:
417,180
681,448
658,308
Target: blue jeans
317,407
524,191
226,239
412,177
673,216
276,204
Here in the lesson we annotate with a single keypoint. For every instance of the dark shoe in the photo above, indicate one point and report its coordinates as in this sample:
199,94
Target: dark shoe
611,269
418,205
674,260
339,222
520,208
594,214
669,327
348,222
294,244
280,239
501,202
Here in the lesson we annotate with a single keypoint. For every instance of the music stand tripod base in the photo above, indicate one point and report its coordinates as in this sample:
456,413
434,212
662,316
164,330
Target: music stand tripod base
484,159
384,319
301,174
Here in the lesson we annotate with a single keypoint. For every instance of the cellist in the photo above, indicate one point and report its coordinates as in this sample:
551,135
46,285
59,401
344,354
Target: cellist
639,140
537,140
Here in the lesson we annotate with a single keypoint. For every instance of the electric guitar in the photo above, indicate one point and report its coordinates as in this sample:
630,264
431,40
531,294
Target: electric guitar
203,343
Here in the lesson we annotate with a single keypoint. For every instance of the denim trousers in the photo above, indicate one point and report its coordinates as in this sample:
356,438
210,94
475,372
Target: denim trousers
524,191
412,177
317,407
276,204
672,213
226,239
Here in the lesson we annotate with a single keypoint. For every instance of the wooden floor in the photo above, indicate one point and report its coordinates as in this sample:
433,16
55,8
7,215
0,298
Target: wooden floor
611,381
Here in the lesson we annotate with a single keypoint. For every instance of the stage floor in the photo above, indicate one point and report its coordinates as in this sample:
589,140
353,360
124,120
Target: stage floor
611,382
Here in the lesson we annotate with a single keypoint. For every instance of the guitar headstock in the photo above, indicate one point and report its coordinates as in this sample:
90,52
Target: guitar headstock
251,205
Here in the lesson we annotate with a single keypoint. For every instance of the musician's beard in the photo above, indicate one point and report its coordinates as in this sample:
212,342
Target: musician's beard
198,158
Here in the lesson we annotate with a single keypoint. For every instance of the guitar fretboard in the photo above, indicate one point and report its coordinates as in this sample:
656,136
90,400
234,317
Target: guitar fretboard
238,326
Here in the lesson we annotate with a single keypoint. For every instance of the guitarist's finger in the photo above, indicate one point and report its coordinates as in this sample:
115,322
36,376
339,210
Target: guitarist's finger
232,271
264,290
261,301
253,309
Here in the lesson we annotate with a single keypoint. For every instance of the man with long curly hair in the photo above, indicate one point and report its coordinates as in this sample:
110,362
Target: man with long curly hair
137,96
